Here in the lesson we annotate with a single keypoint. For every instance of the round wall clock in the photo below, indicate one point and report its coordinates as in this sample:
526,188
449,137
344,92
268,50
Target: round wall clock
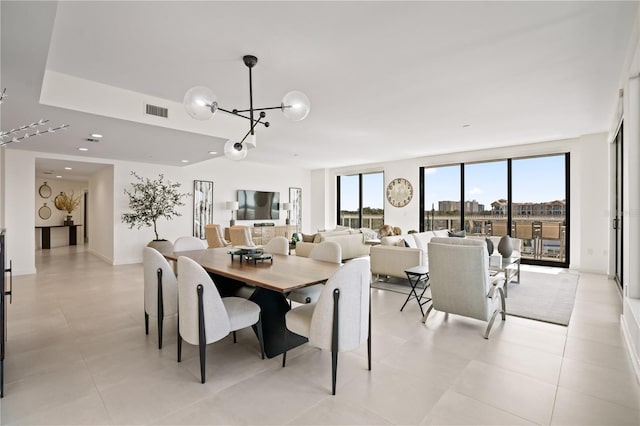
399,192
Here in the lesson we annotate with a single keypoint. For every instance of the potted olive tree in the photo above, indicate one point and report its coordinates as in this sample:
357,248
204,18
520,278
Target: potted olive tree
151,200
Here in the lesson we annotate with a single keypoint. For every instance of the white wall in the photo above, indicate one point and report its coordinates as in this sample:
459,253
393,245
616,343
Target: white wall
100,227
589,196
19,175
630,82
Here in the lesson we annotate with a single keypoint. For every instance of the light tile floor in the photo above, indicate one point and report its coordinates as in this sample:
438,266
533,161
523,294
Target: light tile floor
77,355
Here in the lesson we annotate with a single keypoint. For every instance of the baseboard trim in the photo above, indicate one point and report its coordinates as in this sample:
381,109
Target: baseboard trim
100,256
633,355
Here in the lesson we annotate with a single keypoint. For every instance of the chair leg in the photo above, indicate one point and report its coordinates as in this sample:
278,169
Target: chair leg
179,341
334,341
488,330
334,371
202,342
160,307
260,336
234,337
284,354
369,335
424,318
504,304
146,323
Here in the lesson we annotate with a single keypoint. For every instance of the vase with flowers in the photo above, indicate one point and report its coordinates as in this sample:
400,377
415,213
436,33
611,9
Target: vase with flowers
68,203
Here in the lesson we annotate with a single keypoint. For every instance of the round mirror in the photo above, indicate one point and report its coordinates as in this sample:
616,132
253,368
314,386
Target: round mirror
58,201
45,190
44,212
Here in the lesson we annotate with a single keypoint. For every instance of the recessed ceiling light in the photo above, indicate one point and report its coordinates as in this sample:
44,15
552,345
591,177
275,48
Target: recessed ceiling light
96,135
466,125
213,152
184,161
83,149
59,177
68,168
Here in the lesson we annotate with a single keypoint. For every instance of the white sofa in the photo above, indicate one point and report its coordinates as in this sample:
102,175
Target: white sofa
397,253
351,242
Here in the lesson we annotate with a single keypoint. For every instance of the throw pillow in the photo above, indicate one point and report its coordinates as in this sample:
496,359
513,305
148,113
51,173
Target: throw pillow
307,238
369,234
401,243
459,234
489,246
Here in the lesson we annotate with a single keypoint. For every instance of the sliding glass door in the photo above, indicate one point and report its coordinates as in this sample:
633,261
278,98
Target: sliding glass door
361,200
485,198
442,198
539,208
524,198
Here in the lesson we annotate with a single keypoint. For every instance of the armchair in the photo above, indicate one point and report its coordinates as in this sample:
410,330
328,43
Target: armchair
214,236
240,235
460,281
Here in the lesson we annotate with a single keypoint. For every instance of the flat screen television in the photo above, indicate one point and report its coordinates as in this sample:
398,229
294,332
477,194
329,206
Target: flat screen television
258,205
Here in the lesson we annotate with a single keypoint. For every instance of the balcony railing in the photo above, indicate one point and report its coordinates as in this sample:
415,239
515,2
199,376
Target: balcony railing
543,237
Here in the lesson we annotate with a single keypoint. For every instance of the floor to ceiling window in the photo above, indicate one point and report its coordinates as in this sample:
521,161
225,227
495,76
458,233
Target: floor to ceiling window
442,198
361,200
539,208
485,198
525,198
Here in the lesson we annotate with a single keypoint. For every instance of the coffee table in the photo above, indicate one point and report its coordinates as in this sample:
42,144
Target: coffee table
417,275
510,266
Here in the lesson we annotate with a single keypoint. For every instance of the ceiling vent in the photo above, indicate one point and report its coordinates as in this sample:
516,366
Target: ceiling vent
157,111
94,140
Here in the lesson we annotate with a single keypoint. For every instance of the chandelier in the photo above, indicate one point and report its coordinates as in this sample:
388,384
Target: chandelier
15,135
201,104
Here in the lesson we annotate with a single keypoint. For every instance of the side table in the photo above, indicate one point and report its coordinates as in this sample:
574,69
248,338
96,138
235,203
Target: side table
417,275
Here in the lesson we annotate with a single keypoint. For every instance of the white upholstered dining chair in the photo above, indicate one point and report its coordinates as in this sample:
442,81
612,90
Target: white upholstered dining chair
277,245
326,251
205,317
460,281
341,318
160,289
189,243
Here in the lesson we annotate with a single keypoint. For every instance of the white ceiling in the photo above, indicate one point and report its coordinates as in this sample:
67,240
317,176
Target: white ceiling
387,80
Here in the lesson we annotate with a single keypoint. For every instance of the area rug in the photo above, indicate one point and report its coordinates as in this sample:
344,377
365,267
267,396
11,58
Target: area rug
542,295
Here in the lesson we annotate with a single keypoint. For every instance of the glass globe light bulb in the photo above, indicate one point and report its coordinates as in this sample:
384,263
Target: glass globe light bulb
296,106
232,152
200,103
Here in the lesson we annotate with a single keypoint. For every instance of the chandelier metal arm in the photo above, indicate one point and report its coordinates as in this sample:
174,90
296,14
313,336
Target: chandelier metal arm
235,111
240,115
251,129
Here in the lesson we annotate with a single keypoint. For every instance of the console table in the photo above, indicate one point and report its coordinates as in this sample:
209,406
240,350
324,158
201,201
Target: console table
46,234
261,235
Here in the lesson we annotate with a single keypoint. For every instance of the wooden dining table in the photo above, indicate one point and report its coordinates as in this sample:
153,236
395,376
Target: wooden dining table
273,280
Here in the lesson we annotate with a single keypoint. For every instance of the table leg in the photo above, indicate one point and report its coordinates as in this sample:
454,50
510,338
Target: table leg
412,292
46,238
73,235
274,306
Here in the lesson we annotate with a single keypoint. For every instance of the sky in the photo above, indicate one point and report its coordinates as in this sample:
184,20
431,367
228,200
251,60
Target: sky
535,180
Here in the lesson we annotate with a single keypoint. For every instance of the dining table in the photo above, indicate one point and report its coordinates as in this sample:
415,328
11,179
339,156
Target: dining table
272,279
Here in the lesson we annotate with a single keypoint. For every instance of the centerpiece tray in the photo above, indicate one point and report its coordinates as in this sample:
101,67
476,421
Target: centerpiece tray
250,254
